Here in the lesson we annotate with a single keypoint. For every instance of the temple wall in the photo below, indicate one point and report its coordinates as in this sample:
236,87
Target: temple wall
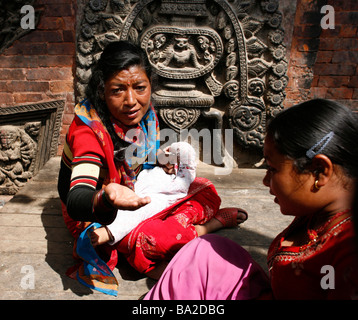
40,65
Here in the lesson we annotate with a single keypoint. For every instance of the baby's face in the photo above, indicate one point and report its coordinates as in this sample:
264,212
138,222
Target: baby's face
174,155
182,154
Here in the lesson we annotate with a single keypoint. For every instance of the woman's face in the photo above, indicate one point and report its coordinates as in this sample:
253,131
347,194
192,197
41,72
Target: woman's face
292,190
127,94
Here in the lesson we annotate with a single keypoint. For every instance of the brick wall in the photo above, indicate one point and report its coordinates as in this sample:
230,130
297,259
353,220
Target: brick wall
323,62
39,66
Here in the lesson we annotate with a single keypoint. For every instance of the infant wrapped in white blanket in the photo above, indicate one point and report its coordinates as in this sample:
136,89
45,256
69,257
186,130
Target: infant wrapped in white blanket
163,189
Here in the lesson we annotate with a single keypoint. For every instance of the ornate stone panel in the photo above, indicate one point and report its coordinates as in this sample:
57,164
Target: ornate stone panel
208,55
17,154
28,138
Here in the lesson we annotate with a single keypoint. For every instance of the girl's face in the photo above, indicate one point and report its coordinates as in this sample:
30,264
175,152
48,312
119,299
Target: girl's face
127,94
292,190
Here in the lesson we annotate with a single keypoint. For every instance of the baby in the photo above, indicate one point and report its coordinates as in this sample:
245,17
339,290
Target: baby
163,189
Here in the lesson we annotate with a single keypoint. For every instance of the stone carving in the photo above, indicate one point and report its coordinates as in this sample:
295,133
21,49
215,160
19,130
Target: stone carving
36,112
175,52
28,138
208,54
10,21
180,118
17,153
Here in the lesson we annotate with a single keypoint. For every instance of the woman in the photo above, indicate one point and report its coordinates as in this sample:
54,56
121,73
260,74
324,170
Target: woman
113,136
311,153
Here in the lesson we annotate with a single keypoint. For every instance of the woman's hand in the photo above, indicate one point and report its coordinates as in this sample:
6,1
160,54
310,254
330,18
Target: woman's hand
121,197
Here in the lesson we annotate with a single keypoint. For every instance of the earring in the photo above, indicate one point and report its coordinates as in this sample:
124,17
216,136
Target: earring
316,185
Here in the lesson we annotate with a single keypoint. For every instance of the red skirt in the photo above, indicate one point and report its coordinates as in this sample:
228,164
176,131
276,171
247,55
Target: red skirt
160,237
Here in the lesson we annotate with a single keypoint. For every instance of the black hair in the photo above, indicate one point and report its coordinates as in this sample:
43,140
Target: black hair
297,129
355,213
116,56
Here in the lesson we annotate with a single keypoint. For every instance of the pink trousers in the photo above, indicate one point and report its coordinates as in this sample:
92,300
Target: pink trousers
211,267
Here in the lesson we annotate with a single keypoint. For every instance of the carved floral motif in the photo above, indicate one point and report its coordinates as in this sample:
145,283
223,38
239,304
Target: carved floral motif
181,118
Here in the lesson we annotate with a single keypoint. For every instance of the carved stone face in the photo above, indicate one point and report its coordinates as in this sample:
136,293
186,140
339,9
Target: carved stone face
181,43
159,40
8,136
127,94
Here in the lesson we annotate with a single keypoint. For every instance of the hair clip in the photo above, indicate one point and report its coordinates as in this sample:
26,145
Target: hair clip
325,140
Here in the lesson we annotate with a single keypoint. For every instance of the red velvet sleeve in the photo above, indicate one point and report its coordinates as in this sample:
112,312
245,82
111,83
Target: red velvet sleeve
85,148
84,144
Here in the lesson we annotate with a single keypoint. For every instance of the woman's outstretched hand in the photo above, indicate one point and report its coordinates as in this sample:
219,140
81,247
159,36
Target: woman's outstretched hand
121,197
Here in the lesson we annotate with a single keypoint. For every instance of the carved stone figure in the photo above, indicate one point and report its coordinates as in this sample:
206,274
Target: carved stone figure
17,151
181,54
209,55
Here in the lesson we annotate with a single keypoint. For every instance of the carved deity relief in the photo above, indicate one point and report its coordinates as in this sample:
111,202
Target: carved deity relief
17,153
208,54
173,55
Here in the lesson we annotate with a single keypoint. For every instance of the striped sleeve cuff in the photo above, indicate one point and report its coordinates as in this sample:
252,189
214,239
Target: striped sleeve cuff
85,173
87,159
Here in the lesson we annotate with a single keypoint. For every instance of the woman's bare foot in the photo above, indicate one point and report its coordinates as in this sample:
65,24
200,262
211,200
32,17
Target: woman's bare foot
100,236
208,227
214,224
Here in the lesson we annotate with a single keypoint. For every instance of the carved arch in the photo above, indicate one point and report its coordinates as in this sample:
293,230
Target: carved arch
246,79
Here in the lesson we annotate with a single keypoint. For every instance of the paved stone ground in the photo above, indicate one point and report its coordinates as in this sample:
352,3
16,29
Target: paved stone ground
33,236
